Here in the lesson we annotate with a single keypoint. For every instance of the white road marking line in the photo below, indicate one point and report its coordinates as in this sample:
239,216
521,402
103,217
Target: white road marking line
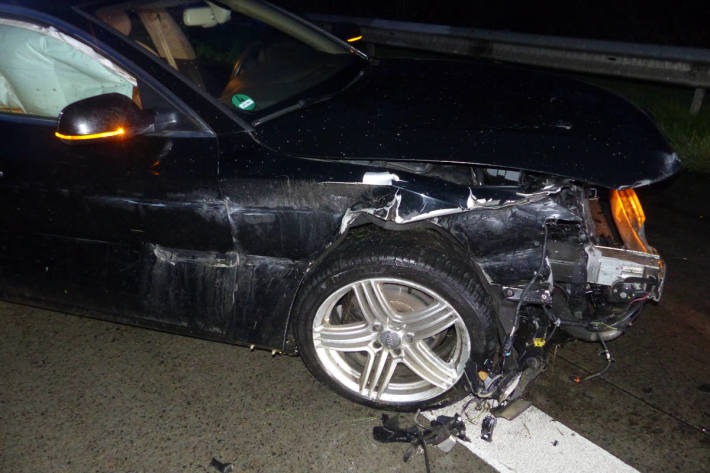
527,445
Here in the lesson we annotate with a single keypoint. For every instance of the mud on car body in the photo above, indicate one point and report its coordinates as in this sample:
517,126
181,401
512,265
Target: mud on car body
412,229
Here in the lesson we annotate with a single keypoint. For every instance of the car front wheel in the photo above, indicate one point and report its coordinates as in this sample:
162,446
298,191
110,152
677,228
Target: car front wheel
391,323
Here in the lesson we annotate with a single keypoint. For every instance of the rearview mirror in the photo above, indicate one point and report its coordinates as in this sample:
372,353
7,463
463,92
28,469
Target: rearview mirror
103,117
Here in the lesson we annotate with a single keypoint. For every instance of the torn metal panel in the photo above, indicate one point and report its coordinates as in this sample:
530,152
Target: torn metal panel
414,203
175,257
506,242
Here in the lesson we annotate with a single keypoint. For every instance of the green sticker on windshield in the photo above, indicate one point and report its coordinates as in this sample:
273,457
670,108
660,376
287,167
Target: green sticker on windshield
243,102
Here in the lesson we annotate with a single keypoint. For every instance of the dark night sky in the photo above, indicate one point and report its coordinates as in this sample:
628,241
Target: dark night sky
683,23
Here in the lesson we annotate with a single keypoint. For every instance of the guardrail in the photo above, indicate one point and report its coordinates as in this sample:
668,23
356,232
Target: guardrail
657,63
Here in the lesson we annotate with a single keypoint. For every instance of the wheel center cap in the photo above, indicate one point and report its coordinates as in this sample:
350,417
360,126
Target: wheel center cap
390,340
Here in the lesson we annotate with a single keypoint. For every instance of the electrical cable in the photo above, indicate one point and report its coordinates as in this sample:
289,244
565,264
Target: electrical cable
508,345
473,396
609,360
554,329
482,408
641,400
416,420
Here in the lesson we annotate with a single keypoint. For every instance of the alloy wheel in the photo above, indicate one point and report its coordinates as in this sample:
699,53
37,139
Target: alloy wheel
390,339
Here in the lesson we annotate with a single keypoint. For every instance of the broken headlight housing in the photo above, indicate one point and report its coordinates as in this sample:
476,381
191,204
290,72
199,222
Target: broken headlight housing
634,270
629,218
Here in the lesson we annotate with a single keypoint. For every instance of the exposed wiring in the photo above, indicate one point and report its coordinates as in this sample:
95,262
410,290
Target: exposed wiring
554,329
595,324
602,324
481,393
473,395
609,359
508,345
481,407
622,322
416,420
554,320
562,290
642,400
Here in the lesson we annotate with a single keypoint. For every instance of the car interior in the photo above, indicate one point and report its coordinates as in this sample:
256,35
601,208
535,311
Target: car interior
247,50
251,52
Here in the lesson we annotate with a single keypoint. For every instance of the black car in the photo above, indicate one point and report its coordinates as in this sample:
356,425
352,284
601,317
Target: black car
413,229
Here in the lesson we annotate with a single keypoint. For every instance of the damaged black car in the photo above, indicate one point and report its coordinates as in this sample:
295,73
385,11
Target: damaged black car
413,229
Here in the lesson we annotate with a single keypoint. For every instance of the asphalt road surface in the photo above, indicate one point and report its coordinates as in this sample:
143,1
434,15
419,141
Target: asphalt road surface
79,395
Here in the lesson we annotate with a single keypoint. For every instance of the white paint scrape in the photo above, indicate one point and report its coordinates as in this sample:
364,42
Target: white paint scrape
379,178
534,443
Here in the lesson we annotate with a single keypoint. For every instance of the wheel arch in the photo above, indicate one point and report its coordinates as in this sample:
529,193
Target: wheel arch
368,227
422,257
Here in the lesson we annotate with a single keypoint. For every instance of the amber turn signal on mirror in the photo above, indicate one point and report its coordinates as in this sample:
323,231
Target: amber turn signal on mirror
92,136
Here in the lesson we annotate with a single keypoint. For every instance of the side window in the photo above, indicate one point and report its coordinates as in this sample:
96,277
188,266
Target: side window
43,70
251,56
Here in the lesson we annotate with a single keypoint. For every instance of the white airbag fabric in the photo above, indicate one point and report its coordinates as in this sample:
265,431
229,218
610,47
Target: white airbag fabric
42,70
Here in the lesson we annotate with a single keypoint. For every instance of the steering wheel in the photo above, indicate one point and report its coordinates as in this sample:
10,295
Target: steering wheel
251,50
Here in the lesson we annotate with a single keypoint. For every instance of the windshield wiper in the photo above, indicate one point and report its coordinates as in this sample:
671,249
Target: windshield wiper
298,105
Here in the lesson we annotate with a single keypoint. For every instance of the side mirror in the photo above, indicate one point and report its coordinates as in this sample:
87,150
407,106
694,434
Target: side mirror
103,117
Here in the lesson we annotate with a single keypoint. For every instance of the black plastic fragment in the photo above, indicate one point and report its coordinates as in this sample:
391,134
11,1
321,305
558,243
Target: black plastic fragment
390,431
487,427
221,467
438,431
418,436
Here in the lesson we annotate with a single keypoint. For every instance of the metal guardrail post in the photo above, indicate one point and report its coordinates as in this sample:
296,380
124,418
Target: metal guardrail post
697,102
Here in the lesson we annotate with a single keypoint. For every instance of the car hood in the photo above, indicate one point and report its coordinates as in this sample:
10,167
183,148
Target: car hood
483,114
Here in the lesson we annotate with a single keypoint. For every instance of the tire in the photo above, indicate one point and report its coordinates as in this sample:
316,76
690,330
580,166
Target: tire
389,320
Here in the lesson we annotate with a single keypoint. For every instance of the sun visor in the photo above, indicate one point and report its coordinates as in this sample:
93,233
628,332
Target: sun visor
43,70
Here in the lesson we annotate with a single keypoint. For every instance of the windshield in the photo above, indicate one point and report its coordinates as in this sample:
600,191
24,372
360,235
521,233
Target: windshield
253,57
